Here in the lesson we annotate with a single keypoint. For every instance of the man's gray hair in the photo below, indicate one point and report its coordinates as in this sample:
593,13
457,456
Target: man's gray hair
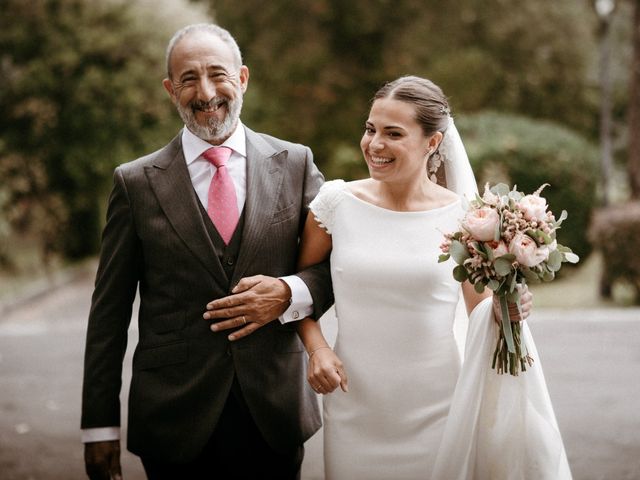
219,32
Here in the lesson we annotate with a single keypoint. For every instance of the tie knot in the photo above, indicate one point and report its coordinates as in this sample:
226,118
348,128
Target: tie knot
217,155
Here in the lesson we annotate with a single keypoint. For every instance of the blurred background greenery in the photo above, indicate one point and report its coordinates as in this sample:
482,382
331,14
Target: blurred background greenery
81,93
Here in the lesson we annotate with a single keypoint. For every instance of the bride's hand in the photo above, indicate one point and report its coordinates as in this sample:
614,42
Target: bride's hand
326,371
526,303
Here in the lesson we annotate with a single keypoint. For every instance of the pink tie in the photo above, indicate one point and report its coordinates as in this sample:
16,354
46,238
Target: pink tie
222,205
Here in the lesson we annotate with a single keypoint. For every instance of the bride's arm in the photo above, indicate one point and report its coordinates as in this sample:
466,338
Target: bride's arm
326,371
473,298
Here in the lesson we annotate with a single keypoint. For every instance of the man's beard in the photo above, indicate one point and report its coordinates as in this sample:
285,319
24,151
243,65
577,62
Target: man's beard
215,131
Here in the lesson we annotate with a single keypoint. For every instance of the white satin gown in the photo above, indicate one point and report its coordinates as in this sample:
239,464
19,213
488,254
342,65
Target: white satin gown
395,306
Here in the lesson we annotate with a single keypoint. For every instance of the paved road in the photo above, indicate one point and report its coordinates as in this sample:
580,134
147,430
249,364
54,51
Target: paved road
591,361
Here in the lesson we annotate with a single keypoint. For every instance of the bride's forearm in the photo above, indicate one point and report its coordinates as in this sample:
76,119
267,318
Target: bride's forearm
311,335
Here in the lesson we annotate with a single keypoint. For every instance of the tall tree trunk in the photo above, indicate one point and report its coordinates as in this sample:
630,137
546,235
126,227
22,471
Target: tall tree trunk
633,163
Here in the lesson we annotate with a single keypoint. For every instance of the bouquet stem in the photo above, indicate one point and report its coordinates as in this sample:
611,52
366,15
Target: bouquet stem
510,355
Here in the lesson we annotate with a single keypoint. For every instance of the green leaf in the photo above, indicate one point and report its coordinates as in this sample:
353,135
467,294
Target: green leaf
513,296
479,246
500,189
489,250
502,266
506,325
512,286
443,257
498,232
493,284
555,261
530,275
542,237
458,252
563,217
515,196
571,257
460,273
479,287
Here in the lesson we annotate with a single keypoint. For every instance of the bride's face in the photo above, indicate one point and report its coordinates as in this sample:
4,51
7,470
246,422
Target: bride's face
393,144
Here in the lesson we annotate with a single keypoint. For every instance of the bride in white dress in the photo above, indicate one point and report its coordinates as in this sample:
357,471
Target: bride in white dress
405,410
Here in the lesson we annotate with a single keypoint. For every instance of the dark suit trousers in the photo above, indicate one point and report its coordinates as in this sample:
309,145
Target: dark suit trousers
236,450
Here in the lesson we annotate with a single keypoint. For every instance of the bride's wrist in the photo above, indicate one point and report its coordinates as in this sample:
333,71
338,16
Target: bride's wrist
312,351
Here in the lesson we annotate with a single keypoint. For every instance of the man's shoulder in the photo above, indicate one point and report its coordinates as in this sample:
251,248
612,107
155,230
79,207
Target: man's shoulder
159,156
279,143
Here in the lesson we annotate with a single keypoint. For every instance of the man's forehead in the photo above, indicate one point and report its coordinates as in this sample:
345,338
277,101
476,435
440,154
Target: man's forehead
202,49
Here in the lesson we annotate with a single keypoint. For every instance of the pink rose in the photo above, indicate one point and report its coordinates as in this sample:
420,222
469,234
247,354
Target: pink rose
500,249
481,223
533,206
526,250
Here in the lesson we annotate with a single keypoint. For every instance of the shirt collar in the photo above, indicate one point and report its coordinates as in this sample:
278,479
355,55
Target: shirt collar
193,146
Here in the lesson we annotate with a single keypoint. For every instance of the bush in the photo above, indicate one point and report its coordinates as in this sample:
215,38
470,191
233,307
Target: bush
528,153
80,94
615,231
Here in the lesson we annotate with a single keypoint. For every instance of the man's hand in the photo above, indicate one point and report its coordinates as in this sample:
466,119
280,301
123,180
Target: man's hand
255,302
102,460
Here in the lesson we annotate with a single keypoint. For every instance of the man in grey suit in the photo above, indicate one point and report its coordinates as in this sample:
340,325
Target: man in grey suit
200,404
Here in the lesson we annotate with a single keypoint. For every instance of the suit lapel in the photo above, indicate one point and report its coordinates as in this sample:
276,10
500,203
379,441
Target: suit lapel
265,170
170,181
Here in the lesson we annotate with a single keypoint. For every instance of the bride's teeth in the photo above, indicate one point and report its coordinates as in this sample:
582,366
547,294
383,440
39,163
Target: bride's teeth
380,161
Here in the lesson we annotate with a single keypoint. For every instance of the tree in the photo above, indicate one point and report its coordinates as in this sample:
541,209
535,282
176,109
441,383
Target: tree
633,162
316,63
80,95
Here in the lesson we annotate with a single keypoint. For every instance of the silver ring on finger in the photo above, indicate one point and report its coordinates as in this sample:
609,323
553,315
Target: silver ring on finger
244,320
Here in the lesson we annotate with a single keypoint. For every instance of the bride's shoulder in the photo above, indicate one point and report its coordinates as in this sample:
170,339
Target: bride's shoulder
327,201
333,188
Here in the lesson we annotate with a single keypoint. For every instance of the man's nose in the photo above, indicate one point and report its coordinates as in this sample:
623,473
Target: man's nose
206,89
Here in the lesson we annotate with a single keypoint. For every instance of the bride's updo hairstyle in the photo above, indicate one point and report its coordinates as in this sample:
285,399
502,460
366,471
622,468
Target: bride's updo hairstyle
431,106
432,113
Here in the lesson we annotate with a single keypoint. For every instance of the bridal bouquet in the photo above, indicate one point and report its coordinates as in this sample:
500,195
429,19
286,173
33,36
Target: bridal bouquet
507,238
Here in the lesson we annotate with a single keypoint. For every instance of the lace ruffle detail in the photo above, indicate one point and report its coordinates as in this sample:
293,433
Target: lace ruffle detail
324,205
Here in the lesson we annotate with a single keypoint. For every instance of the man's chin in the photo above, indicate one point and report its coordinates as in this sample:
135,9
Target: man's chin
210,134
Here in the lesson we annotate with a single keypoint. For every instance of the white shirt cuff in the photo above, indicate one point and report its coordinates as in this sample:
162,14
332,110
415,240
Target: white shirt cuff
301,300
102,434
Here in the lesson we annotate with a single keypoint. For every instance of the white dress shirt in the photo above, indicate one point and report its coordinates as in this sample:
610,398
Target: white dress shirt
201,172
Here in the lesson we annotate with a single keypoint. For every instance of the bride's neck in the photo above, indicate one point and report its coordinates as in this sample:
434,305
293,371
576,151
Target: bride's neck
404,196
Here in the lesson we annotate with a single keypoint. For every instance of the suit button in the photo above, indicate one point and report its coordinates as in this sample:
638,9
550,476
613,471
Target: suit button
295,315
230,261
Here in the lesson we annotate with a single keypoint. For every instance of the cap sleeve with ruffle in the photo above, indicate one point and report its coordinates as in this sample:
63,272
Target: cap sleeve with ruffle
324,205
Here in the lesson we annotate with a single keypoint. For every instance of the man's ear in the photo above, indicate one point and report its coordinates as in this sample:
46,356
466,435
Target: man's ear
244,77
168,86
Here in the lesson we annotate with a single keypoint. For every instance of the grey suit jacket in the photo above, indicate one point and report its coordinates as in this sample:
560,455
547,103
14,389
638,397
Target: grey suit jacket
155,240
